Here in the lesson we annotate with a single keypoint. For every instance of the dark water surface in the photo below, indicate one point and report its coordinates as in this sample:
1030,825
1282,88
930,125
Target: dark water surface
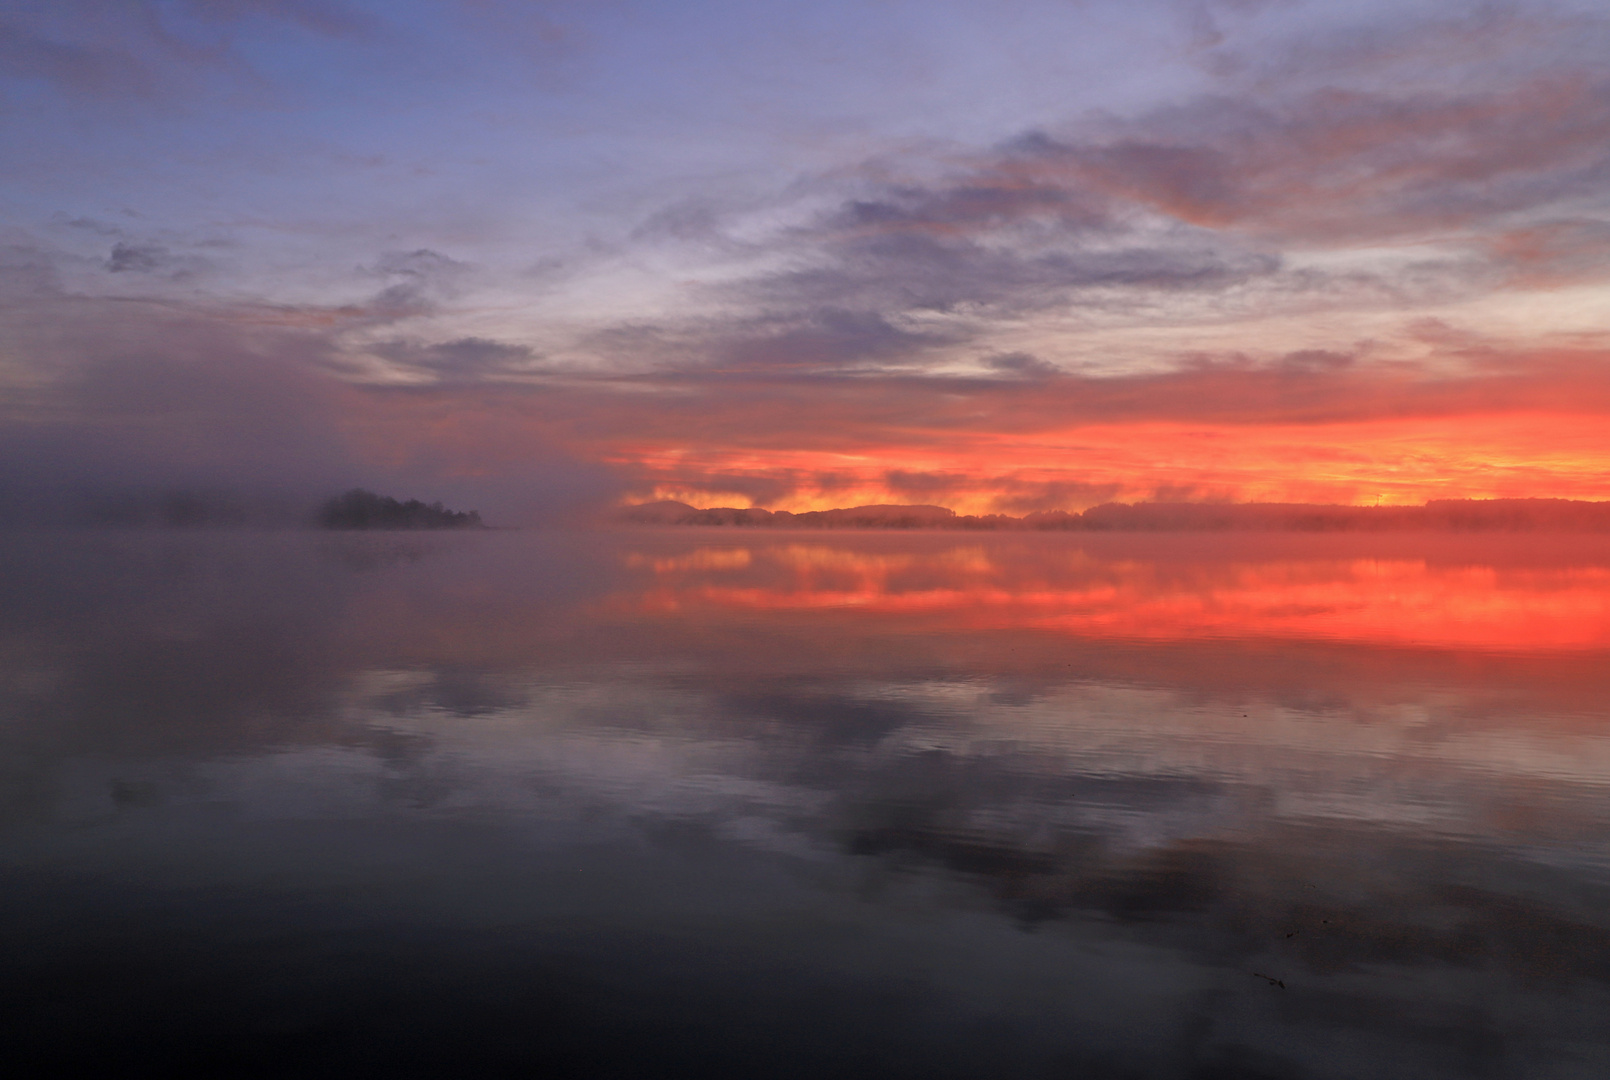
726,803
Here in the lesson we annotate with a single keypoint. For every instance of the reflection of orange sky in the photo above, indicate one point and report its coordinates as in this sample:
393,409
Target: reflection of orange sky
1061,588
1397,460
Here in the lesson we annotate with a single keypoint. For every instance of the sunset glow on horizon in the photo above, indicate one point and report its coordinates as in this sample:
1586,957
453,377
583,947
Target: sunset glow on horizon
1376,462
545,259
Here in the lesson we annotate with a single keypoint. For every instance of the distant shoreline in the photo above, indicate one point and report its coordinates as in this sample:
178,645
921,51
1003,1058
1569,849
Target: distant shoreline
1440,515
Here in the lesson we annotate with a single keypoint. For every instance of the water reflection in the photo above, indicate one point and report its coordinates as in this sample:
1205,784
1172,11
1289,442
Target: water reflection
775,804
1188,588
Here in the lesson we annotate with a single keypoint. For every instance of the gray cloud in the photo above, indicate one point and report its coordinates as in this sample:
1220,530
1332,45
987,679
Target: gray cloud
421,264
924,273
137,258
828,338
819,340
467,358
86,224
994,246
1376,138
418,281
1047,218
1351,165
1021,365
696,220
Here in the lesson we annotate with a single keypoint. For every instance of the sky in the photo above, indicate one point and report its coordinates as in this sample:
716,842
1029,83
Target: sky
1007,257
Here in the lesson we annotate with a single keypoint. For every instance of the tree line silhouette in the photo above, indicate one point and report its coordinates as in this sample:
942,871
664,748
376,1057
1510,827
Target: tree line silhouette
360,509
1439,515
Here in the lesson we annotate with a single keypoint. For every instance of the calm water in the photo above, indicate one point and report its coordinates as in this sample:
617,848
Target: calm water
725,803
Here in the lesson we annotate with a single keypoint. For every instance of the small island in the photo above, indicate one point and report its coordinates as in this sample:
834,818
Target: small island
360,509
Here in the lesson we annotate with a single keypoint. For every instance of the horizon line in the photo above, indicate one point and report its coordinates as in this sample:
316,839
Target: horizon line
1504,514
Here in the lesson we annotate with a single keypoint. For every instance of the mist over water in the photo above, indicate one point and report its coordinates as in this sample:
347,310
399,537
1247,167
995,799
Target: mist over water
705,802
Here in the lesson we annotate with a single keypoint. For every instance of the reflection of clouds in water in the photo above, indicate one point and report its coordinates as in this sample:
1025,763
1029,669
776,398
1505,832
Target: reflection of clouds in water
1163,820
1403,836
700,559
803,768
1053,584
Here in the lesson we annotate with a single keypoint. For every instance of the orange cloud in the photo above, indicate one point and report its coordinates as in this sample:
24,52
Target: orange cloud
1505,424
1054,586
1387,460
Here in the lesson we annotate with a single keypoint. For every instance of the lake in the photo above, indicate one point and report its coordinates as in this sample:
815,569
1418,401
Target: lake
752,802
